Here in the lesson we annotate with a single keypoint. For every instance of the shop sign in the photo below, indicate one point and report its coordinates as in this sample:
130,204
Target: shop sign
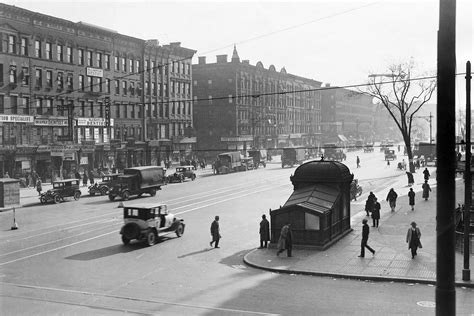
94,72
154,143
87,148
43,149
84,160
69,156
25,150
106,147
71,147
237,139
50,122
93,121
26,165
16,118
57,151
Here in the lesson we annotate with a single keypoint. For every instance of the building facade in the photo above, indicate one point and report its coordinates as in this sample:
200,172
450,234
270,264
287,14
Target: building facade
56,77
238,106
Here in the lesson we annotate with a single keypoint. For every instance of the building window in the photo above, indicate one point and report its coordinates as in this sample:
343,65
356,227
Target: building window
230,98
25,76
99,60
124,64
153,88
60,81
90,109
49,79
25,102
89,58
90,83
130,65
124,87
12,44
24,46
107,85
147,88
81,82
49,52
146,66
117,110
107,61
100,83
37,49
80,56
69,82
132,88
59,52
137,66
117,87
48,107
39,77
69,54
210,99
82,108
116,62
12,73
153,68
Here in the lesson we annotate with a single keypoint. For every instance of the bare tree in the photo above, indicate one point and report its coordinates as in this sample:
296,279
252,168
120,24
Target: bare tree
402,95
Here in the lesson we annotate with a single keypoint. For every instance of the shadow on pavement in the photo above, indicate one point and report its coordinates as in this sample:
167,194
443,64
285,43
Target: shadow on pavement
196,252
107,251
235,259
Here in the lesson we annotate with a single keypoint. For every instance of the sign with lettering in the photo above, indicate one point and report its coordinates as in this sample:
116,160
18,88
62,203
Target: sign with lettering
93,121
57,150
16,118
43,149
50,122
94,72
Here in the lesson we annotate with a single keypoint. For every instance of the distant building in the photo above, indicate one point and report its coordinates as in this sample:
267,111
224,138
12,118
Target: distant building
238,106
48,64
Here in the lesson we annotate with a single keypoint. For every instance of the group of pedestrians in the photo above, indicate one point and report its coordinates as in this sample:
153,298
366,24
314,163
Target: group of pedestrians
87,176
372,208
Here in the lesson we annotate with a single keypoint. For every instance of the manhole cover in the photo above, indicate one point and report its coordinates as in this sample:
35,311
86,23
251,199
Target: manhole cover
426,304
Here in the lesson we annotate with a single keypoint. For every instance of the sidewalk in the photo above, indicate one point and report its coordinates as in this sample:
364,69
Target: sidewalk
392,260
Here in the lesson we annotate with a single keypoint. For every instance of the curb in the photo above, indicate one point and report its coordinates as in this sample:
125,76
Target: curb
374,278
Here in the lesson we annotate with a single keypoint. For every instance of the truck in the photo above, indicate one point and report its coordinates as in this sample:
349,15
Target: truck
228,162
425,149
259,157
138,180
292,155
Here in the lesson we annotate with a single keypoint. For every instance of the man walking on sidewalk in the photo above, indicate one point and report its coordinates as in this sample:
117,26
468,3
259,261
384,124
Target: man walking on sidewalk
392,199
413,239
215,232
411,199
365,238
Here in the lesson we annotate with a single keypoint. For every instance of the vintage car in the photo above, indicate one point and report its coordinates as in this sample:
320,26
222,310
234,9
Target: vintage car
181,173
103,187
390,154
148,222
368,148
60,190
247,163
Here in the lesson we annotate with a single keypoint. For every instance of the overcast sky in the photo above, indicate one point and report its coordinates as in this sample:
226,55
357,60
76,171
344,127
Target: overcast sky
337,42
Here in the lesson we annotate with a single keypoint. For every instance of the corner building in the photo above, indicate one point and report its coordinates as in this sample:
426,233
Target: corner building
48,65
238,106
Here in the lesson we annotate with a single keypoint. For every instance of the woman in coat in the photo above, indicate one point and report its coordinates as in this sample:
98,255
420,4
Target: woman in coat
426,190
411,199
392,199
84,179
282,240
413,239
369,204
376,213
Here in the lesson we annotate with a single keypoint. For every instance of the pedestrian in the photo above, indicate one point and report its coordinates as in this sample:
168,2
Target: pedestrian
392,199
353,190
77,175
264,232
358,162
426,174
413,239
411,180
365,238
369,204
411,199
426,190
285,241
376,213
6,175
215,232
34,176
38,186
31,180
91,177
84,179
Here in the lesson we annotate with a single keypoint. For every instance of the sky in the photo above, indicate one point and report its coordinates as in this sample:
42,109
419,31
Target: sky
337,42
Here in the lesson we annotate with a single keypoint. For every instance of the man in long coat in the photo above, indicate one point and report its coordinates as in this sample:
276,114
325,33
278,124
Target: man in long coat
426,190
392,199
215,233
411,199
413,239
426,174
285,241
376,213
264,232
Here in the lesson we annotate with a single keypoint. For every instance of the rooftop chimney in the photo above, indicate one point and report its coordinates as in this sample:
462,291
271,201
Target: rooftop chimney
202,60
221,59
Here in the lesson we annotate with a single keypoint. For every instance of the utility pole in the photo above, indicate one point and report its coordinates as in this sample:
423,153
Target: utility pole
466,272
445,294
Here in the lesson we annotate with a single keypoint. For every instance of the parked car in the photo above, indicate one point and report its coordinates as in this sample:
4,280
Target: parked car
148,222
103,187
60,190
390,154
182,173
292,156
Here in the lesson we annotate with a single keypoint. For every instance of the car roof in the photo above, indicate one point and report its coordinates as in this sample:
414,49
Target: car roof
143,205
67,180
187,166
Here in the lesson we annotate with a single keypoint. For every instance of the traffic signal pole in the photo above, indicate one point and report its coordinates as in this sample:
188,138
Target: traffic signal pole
466,272
446,160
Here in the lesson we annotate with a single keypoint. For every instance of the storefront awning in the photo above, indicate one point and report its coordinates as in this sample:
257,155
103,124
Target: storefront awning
188,140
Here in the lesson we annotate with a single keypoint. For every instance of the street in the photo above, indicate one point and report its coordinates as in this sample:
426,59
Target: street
68,258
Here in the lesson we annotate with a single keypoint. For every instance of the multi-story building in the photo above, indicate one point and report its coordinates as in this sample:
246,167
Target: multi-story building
238,106
49,65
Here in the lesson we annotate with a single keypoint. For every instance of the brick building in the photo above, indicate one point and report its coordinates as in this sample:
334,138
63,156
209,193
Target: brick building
48,64
238,106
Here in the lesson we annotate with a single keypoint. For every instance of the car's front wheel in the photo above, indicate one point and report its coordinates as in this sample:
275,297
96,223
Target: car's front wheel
126,195
151,238
153,192
57,199
103,191
77,195
111,197
180,230
43,199
125,240
193,177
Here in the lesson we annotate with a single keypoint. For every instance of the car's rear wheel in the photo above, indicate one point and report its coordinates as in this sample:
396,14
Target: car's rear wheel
193,177
57,199
125,240
111,197
153,192
103,191
126,195
151,238
180,230
77,195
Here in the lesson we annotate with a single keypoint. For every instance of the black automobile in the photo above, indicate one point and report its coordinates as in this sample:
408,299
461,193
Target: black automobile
103,187
61,189
182,173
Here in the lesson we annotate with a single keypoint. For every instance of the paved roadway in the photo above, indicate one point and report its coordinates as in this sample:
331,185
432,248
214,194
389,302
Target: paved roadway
67,259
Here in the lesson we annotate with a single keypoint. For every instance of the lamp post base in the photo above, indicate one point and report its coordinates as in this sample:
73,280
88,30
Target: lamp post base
466,274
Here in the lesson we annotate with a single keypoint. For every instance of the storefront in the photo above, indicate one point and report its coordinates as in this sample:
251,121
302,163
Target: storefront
43,163
87,150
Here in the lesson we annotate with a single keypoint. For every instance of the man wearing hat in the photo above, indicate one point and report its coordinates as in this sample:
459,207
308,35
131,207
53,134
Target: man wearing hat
365,237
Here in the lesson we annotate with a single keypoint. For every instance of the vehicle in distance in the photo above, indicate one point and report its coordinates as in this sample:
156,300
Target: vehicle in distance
138,180
368,148
292,156
182,173
390,154
259,157
148,222
60,190
103,187
332,152
228,162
